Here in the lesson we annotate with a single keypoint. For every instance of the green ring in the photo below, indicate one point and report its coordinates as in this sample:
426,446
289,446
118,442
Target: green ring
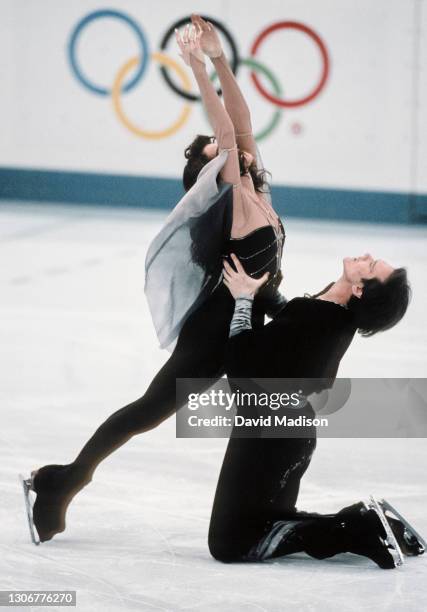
255,65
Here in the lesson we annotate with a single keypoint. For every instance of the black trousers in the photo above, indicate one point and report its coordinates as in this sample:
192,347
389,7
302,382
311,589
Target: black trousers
254,515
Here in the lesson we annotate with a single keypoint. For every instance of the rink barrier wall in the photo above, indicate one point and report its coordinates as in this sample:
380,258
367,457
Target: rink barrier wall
163,193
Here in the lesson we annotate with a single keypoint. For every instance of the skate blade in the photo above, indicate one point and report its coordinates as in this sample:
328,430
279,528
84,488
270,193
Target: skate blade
395,550
27,487
387,506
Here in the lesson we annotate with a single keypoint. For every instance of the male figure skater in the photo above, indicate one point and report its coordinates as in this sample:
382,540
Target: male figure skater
254,515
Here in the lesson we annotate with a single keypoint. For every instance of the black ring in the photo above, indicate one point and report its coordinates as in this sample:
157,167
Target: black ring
234,62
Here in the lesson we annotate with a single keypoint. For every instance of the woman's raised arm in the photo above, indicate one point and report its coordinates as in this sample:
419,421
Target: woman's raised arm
234,100
219,119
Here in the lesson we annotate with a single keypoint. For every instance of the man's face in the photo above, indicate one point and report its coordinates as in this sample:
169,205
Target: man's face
365,267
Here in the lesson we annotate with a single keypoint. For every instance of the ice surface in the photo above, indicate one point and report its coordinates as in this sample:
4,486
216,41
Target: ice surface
77,343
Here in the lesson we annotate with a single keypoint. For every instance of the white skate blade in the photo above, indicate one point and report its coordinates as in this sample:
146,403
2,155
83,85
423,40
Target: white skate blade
395,550
26,485
387,506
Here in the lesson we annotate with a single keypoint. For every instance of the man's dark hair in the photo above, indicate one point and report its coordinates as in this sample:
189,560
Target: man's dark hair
196,159
382,304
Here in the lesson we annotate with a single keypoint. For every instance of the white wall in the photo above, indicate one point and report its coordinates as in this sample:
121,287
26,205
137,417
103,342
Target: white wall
358,133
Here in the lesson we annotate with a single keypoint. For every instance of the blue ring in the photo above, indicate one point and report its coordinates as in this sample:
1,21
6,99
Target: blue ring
103,91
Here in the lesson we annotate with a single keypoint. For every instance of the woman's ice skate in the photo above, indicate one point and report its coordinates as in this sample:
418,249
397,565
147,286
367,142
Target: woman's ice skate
54,486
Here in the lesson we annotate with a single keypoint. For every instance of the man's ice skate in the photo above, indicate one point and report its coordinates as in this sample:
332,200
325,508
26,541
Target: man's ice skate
365,531
388,536
27,485
358,529
410,541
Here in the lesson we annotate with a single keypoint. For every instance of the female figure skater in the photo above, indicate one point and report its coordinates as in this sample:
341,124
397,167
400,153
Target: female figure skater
307,339
223,210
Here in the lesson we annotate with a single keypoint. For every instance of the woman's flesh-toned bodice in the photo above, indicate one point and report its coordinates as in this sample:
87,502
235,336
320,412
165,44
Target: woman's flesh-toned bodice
254,212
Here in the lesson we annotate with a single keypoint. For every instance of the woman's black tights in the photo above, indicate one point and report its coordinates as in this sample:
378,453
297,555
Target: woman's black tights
199,353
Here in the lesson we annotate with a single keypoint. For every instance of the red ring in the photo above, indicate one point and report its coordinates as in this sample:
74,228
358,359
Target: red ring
325,71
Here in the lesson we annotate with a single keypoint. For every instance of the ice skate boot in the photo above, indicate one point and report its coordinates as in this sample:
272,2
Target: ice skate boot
363,530
358,529
410,541
55,486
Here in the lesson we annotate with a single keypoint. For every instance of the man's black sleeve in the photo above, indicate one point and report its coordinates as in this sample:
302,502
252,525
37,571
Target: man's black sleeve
263,352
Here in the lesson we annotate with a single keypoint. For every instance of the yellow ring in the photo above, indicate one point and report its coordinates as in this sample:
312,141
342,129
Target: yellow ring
165,60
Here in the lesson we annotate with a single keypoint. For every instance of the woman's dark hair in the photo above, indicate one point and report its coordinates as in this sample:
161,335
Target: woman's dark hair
196,160
382,304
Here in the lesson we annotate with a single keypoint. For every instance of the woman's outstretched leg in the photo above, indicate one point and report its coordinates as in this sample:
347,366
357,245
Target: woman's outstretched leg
199,353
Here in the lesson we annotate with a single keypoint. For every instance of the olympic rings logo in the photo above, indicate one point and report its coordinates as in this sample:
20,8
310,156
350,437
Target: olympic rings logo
139,64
